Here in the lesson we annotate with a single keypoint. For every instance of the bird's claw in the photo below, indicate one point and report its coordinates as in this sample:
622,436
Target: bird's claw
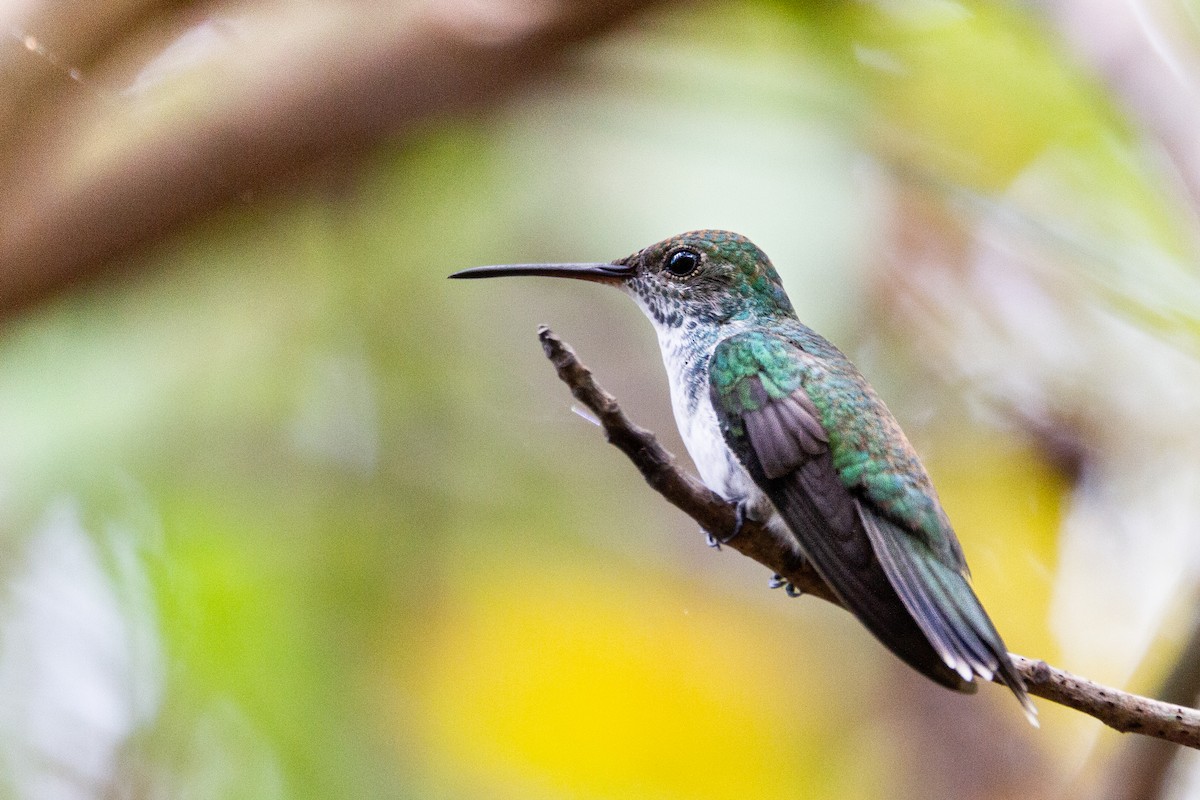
740,516
778,581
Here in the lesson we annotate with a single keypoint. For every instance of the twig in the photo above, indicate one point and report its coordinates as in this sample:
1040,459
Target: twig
1139,770
1122,711
680,489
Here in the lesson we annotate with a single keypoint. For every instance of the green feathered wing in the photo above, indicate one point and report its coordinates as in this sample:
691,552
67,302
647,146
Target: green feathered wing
827,452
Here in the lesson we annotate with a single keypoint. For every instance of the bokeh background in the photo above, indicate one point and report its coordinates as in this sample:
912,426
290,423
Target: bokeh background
286,514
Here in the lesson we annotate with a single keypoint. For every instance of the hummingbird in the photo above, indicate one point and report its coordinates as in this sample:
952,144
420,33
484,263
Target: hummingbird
779,422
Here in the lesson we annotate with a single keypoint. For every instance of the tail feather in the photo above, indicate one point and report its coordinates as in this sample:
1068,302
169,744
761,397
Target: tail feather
946,609
845,561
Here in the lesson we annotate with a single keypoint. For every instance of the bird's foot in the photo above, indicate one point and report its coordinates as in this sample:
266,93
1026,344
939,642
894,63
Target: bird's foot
778,581
740,515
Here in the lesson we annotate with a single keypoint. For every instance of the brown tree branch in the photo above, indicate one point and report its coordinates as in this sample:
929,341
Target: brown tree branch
680,489
1122,711
1139,770
122,174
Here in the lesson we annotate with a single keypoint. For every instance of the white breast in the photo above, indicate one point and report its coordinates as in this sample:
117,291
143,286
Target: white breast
697,422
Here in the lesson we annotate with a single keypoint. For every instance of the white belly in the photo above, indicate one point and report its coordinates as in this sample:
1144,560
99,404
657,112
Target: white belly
697,422
682,349
718,466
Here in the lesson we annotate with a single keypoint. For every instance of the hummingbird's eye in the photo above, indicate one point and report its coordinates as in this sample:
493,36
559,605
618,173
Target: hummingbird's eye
682,263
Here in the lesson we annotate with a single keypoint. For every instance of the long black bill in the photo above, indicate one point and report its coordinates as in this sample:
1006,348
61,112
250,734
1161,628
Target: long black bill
603,273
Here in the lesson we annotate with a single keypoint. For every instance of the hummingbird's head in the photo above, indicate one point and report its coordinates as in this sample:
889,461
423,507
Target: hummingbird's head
703,276
707,276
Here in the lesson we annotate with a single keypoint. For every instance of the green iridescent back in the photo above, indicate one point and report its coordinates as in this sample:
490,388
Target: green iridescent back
870,452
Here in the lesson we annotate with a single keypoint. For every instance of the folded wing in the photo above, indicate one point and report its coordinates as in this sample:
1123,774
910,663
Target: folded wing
912,596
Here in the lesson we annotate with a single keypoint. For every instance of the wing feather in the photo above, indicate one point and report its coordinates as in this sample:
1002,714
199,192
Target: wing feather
785,434
959,622
822,516
914,598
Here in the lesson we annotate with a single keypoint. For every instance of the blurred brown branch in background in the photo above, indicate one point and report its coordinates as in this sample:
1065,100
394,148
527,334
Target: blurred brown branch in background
325,94
1122,711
